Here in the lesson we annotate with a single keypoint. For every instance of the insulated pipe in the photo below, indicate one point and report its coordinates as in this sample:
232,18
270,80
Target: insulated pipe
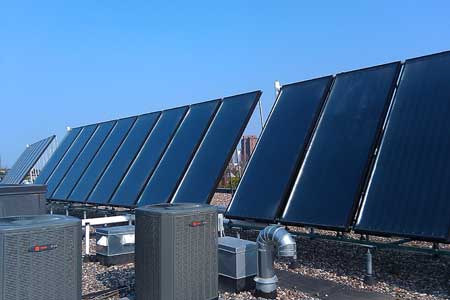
272,240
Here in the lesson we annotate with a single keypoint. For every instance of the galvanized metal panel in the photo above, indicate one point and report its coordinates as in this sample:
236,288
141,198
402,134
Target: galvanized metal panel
59,153
123,158
26,161
270,173
408,193
216,149
146,161
332,175
101,160
68,159
79,166
169,172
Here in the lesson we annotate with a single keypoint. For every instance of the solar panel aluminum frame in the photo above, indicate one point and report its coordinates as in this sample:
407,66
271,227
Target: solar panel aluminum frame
368,179
233,148
370,160
406,236
300,158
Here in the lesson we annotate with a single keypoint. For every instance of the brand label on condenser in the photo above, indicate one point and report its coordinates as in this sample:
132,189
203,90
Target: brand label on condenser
41,248
198,223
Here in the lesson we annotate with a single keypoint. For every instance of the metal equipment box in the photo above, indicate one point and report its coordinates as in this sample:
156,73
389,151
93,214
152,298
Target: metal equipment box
40,258
176,252
237,264
21,200
115,245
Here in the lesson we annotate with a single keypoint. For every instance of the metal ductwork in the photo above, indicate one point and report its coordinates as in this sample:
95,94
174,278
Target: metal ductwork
272,240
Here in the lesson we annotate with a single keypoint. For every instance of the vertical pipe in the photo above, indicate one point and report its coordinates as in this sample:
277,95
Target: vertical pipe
261,118
87,238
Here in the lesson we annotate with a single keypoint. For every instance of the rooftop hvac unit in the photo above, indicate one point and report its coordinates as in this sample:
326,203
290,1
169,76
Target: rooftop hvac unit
20,200
176,252
40,258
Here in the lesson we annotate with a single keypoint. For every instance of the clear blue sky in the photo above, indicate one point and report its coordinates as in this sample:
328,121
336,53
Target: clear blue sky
68,63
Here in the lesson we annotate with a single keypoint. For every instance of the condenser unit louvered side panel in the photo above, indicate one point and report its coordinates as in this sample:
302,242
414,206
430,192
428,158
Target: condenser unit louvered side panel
194,263
149,256
54,274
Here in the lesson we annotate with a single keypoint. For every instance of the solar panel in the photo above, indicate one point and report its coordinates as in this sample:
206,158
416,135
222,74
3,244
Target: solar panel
68,159
26,161
57,156
216,149
116,163
330,181
13,175
80,165
122,159
145,163
18,173
267,178
99,163
408,192
173,164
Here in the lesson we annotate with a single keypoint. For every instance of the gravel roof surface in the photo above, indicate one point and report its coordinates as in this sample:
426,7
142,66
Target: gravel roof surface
401,274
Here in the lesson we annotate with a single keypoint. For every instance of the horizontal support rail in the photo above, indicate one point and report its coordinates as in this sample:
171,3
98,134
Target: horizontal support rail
342,238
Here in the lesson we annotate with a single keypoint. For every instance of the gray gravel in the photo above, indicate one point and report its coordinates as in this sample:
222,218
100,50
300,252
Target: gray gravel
404,275
282,294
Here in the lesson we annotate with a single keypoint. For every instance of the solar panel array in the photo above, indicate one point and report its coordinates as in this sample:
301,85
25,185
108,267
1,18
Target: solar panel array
409,191
344,140
26,161
149,158
375,159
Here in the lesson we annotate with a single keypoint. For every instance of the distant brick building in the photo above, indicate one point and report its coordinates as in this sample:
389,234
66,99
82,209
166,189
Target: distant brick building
248,144
2,173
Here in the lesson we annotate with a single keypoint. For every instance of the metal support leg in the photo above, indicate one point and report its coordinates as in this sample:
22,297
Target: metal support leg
369,277
87,238
311,232
238,231
436,248
51,209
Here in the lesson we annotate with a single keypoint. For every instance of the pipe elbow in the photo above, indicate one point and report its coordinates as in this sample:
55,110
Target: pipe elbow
278,238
